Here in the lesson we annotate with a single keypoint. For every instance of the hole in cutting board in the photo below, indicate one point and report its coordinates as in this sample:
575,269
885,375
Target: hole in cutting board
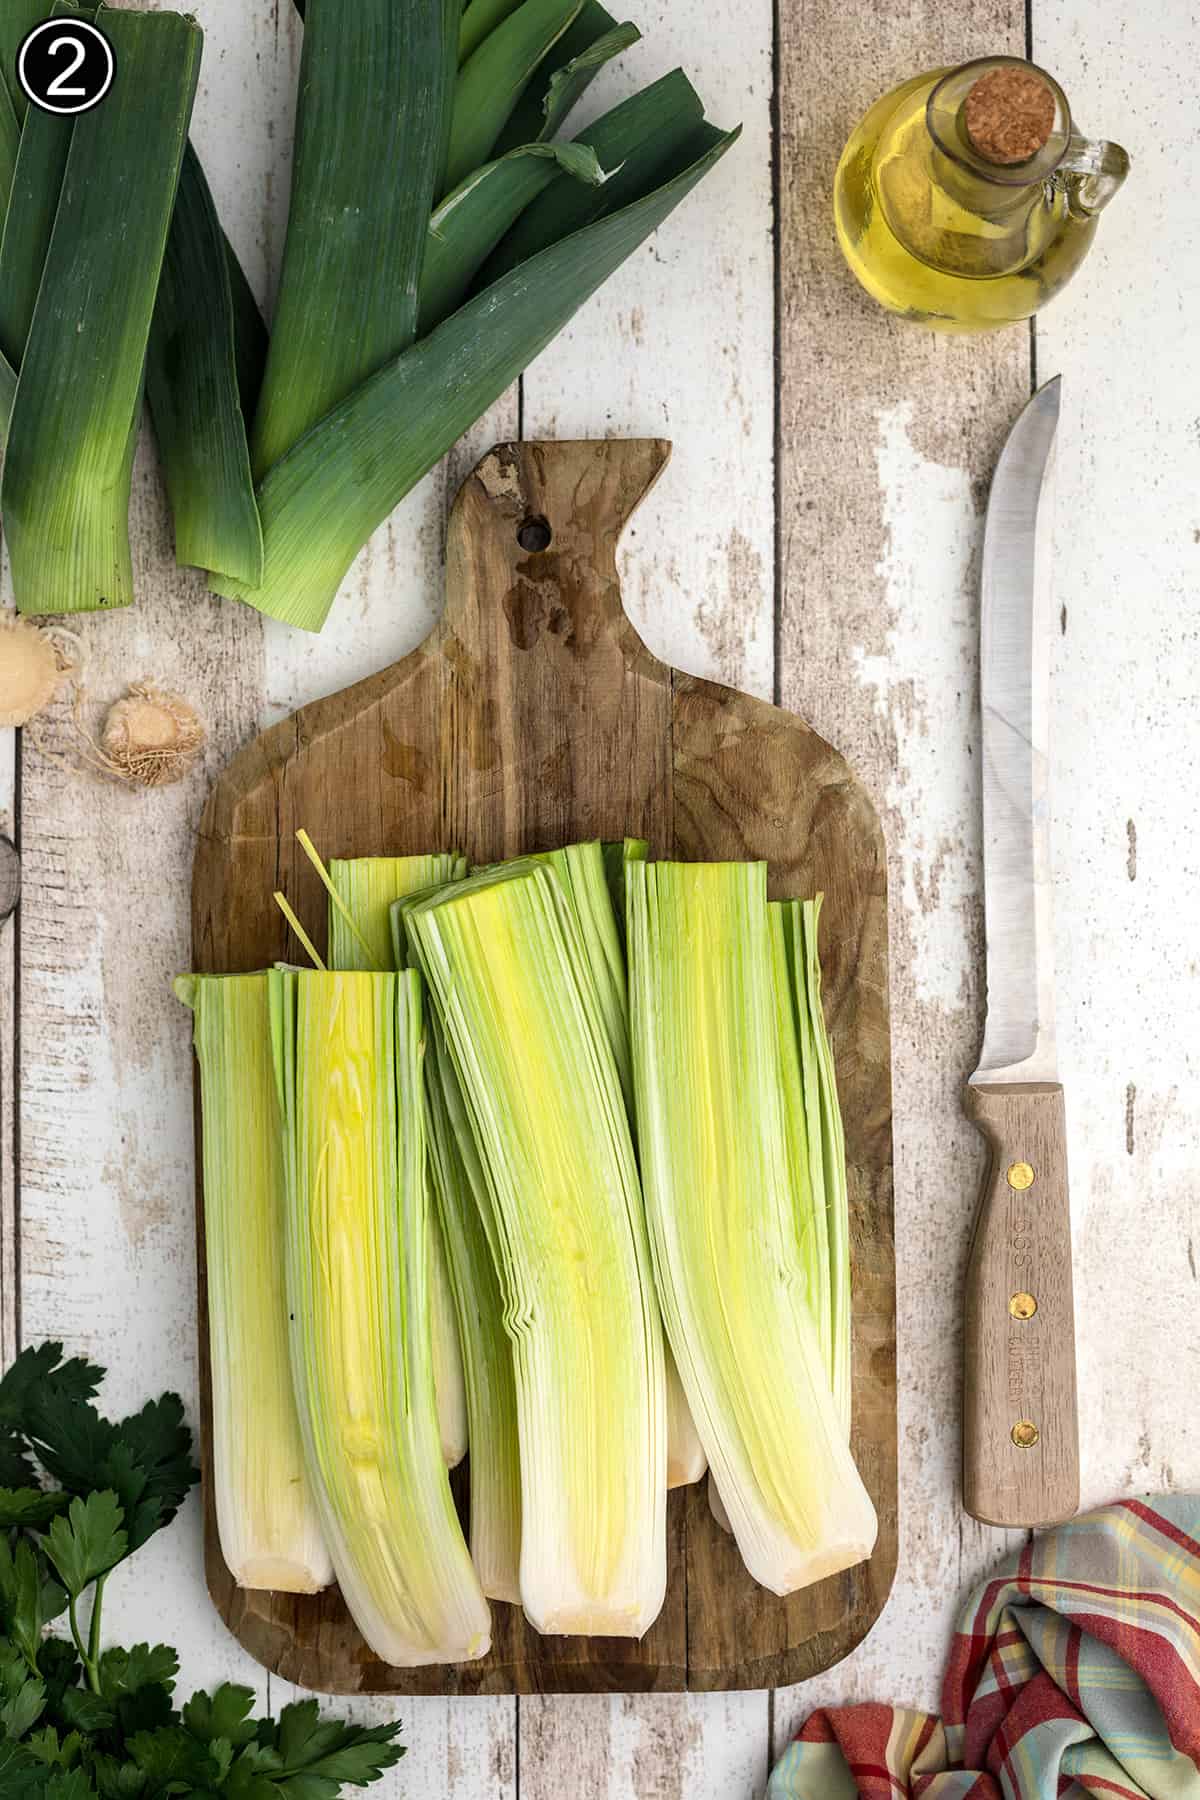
534,535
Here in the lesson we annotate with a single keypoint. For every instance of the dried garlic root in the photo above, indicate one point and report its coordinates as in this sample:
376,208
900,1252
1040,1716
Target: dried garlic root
33,665
150,738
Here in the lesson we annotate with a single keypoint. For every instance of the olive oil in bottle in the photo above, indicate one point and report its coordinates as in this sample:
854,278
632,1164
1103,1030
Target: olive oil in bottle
964,198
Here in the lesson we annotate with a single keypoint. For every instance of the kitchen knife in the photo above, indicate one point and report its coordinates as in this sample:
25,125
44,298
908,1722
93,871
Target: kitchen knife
1020,1432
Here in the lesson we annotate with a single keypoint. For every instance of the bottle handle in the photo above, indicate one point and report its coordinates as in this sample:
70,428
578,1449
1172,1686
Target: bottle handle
1090,173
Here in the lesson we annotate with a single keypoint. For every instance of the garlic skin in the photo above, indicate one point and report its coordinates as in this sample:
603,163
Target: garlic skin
151,737
31,670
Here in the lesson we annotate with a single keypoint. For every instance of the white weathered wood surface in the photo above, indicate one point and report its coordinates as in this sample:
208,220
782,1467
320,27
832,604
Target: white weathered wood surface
874,622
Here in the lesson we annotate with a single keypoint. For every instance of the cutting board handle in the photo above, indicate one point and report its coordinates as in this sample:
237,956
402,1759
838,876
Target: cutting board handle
535,528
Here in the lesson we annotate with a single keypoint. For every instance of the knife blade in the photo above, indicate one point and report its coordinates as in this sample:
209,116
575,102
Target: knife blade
1020,1430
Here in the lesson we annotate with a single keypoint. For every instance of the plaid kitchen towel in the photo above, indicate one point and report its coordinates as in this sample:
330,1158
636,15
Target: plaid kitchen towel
1074,1671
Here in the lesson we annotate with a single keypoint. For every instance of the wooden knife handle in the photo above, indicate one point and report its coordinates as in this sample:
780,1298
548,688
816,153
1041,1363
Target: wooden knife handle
1020,1429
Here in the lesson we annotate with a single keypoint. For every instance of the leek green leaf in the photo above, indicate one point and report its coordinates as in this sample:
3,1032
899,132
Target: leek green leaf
8,388
10,139
192,388
505,963
374,83
478,19
563,76
348,1054
641,141
267,1519
321,503
721,1210
17,20
33,203
493,78
76,410
472,219
249,335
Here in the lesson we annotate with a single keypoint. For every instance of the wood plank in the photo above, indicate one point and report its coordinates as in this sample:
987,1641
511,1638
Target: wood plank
534,715
888,434
9,934
644,1746
1124,845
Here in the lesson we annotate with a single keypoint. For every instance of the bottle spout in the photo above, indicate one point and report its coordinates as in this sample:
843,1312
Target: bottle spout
1090,173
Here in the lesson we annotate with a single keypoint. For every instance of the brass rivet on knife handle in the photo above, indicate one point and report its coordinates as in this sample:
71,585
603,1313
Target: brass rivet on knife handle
1020,1434
1020,1176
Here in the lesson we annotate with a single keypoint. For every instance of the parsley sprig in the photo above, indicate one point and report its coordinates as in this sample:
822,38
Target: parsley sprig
78,1495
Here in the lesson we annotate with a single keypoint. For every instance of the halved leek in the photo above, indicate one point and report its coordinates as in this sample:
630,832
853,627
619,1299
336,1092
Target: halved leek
17,20
368,887
460,1189
722,1217
348,1049
514,992
267,1518
362,893
69,455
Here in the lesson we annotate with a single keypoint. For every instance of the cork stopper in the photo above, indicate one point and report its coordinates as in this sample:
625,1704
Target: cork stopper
1009,115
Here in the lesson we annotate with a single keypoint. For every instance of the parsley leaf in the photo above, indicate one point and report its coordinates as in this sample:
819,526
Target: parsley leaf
58,1667
85,1711
160,1444
47,1745
28,1601
70,1437
88,1542
16,1470
171,1755
225,1714
70,1784
126,1671
319,1755
26,1508
38,1371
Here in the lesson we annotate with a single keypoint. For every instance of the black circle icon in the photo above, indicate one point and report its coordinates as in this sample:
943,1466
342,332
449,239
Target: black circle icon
65,66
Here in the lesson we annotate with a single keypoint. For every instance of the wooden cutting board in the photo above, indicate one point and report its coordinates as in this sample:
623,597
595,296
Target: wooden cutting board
533,715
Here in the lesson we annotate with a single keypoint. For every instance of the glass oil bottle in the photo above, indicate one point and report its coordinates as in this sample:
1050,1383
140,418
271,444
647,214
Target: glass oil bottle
965,199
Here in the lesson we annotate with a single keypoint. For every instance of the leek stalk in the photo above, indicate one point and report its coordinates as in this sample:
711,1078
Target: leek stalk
348,1050
722,1215
76,410
267,1519
513,989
